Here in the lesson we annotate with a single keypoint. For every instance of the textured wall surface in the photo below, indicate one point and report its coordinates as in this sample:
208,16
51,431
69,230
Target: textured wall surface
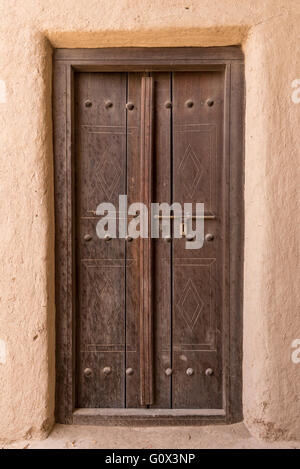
269,33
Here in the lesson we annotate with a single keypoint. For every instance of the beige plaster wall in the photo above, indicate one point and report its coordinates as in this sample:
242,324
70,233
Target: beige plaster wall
269,33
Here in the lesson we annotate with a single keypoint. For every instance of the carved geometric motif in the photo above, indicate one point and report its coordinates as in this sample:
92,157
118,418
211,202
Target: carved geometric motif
191,170
106,298
107,173
190,304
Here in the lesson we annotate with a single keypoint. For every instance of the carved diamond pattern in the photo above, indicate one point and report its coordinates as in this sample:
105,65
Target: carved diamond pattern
190,304
106,296
191,170
107,173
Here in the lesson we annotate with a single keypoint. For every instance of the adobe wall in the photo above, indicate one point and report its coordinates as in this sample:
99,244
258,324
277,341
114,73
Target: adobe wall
269,33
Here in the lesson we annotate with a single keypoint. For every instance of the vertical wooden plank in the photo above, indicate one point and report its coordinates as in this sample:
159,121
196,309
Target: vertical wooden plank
226,241
132,248
63,243
100,177
236,234
146,319
162,359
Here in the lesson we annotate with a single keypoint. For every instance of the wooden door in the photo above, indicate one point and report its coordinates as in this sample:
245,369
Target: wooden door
183,346
155,326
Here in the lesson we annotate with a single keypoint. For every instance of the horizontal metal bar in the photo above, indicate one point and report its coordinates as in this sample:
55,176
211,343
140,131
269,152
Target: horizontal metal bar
161,217
188,217
117,215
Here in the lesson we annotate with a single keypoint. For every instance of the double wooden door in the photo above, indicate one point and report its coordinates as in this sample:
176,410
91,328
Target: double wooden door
147,330
149,318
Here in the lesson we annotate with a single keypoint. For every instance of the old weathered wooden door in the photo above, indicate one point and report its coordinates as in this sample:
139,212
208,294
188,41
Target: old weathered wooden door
146,326
173,358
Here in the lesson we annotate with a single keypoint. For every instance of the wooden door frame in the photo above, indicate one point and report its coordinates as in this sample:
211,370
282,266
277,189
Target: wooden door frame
65,63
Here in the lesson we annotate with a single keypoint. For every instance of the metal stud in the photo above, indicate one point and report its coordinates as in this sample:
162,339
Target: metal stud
209,371
106,370
210,102
167,239
209,237
108,104
190,237
168,371
88,103
88,372
107,238
168,104
87,237
128,239
189,103
129,371
190,371
130,106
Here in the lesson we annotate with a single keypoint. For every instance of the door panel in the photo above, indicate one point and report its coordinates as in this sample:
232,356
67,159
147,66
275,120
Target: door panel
100,177
197,274
187,286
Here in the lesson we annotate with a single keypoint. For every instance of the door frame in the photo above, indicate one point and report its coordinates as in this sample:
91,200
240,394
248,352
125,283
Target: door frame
65,63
